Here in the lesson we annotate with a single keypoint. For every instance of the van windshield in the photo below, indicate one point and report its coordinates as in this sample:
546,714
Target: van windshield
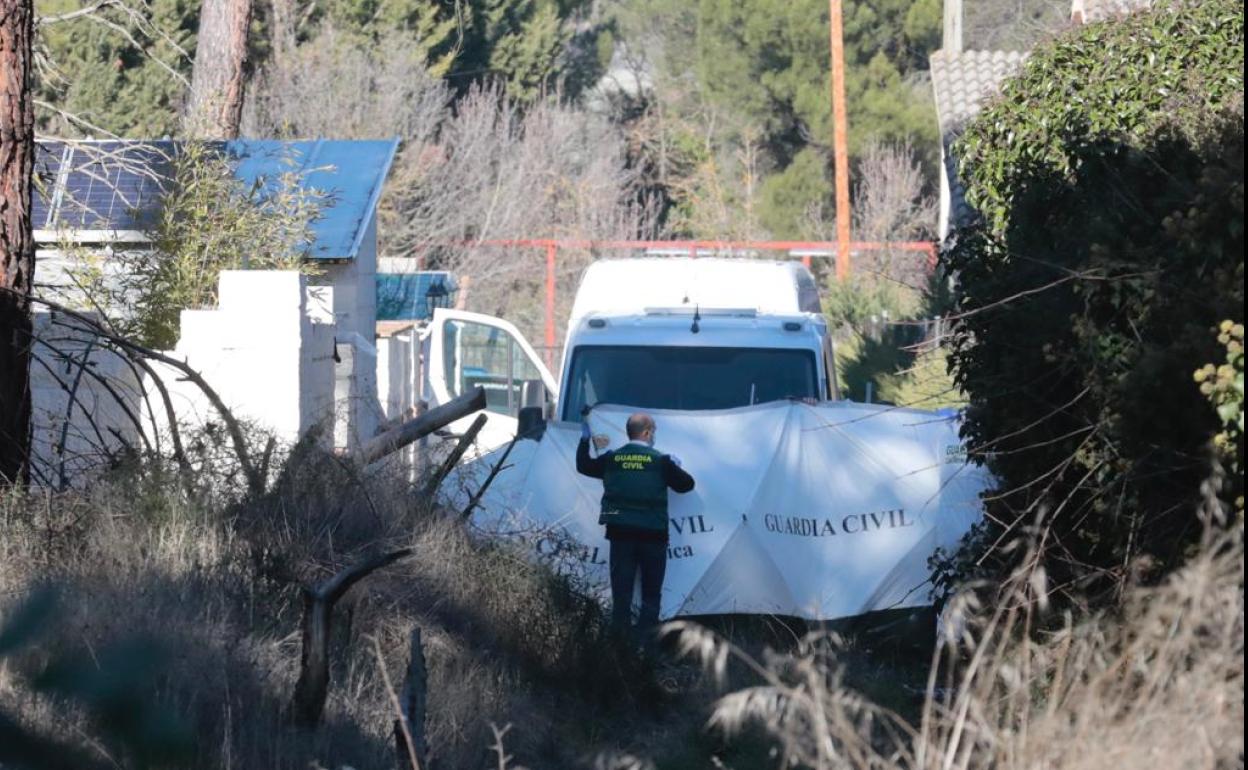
686,378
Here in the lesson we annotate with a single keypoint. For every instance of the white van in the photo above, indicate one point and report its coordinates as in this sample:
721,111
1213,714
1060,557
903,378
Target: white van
651,333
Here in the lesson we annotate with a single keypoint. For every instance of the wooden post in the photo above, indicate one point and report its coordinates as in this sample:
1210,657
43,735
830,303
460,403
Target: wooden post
397,438
840,140
409,731
421,456
318,611
455,456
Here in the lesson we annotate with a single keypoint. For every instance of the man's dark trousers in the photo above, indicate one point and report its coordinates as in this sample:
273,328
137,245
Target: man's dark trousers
628,557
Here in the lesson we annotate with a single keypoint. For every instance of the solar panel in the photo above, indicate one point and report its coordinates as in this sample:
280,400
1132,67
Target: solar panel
48,157
114,185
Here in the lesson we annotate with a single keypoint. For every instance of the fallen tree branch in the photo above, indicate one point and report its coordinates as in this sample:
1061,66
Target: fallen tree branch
498,468
175,435
395,439
390,424
318,610
457,454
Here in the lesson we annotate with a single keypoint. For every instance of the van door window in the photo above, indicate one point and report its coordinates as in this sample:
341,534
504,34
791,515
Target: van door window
479,354
522,370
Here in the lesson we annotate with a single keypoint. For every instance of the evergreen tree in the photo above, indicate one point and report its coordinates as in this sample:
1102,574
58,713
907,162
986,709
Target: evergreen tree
125,72
760,68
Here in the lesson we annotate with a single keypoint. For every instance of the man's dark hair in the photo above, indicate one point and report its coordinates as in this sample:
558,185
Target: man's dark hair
638,424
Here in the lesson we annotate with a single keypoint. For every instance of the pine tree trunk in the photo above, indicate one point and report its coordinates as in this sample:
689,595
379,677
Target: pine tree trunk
216,100
282,32
17,246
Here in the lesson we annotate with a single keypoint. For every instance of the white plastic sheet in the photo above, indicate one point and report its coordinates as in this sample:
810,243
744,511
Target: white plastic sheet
819,512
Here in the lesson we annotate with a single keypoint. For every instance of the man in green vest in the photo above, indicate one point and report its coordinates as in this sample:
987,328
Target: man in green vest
635,480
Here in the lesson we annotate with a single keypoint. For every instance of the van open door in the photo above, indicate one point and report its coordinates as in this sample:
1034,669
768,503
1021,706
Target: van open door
470,349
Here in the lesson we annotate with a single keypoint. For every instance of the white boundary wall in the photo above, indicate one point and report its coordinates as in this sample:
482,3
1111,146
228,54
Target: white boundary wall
399,377
268,350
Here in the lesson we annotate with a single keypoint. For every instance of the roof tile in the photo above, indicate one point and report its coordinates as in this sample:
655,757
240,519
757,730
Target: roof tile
963,82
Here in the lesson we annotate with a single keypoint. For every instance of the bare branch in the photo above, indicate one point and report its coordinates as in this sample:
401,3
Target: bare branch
141,354
455,456
41,21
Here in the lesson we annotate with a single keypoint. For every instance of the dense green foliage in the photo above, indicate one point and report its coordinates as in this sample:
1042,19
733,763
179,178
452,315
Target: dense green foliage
534,47
766,62
212,222
123,69
1110,183
746,110
1223,385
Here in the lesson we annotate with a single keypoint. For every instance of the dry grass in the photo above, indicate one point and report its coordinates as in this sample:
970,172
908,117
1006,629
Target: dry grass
1160,683
217,588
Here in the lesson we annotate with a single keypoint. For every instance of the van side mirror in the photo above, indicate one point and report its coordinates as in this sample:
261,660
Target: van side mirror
531,419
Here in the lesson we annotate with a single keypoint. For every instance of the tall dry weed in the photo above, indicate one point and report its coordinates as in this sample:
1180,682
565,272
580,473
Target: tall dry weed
1157,683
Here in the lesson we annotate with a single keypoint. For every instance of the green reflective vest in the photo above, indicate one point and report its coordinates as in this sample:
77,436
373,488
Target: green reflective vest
634,492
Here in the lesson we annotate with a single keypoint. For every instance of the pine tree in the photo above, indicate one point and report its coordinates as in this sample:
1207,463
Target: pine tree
17,243
758,72
129,79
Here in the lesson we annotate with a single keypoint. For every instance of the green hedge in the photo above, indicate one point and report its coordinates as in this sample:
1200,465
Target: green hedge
1109,177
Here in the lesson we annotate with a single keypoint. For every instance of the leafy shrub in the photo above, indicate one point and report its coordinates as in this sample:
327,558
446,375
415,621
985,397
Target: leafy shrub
854,301
1224,387
209,221
1109,179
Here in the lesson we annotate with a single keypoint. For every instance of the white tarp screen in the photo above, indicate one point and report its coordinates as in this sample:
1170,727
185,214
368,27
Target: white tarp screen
815,511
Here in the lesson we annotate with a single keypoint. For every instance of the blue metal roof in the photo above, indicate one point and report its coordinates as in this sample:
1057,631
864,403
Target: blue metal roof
117,185
350,173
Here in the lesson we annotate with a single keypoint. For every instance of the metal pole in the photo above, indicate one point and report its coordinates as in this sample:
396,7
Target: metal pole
552,249
840,130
